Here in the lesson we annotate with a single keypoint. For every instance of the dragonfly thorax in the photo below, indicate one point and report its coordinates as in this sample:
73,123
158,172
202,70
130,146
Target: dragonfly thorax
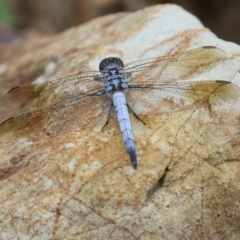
113,74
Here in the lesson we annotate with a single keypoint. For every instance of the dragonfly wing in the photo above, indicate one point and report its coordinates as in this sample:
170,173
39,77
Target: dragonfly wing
163,98
171,68
35,96
84,112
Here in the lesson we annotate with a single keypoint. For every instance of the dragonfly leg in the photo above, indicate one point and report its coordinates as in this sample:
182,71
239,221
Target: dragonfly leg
109,116
136,116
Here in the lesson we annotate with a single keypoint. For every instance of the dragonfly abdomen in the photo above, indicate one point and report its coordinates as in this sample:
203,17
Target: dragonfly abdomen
120,105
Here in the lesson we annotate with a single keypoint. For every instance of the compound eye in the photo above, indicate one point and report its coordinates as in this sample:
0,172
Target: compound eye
109,61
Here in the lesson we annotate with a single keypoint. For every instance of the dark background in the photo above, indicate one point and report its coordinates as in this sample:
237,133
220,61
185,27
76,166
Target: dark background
28,18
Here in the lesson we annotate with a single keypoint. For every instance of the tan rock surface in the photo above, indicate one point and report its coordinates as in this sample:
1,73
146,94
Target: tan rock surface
81,185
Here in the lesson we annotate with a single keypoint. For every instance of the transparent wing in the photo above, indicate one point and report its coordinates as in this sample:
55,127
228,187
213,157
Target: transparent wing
35,96
162,98
175,67
74,114
60,106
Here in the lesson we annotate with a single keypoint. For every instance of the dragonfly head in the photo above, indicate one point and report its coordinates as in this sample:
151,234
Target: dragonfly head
106,62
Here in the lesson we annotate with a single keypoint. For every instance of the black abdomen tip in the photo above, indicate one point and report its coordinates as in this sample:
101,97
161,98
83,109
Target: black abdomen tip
133,158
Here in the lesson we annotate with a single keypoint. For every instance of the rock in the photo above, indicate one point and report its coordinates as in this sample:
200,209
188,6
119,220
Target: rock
79,185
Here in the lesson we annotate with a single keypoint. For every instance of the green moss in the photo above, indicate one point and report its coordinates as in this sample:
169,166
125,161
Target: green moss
6,13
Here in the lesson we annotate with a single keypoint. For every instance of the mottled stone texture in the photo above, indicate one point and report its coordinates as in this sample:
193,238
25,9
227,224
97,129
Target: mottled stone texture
81,185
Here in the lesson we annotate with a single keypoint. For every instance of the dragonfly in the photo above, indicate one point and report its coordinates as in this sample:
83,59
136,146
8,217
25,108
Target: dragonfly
87,99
